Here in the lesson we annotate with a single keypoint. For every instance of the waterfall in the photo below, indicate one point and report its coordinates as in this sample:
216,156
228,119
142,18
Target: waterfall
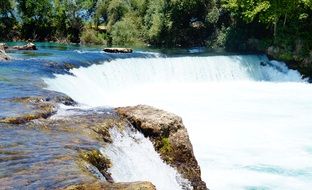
249,119
134,159
91,85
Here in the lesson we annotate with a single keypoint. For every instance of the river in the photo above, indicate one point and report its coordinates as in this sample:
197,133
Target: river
249,119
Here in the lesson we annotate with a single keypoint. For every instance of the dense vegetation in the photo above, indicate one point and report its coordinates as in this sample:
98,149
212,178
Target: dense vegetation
241,25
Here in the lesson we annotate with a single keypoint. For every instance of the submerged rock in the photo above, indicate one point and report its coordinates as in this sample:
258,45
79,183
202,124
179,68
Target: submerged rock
114,186
60,151
42,107
28,46
118,50
170,139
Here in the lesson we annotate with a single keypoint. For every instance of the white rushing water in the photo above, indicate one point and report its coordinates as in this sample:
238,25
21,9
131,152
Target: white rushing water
250,124
134,159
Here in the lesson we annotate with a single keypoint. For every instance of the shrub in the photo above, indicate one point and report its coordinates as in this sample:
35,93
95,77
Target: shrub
127,31
90,36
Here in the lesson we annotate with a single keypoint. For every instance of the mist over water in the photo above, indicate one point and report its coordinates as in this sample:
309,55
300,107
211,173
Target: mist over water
249,123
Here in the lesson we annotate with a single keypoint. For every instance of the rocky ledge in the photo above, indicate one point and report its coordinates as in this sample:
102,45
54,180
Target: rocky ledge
87,130
170,139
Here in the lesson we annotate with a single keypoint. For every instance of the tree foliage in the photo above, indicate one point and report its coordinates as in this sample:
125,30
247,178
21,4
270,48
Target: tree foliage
155,22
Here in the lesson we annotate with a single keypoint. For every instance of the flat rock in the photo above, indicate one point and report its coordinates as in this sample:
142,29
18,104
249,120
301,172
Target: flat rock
118,50
169,137
42,107
28,46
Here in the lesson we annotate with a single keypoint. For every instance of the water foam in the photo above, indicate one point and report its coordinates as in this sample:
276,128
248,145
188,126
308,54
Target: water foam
134,159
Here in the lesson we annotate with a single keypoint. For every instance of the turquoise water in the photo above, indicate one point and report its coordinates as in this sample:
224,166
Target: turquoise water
23,75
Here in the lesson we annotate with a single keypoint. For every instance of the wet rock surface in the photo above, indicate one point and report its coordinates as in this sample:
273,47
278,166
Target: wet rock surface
98,160
114,186
40,107
56,152
170,139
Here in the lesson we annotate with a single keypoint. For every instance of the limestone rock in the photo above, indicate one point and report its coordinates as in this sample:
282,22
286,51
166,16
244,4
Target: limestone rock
170,139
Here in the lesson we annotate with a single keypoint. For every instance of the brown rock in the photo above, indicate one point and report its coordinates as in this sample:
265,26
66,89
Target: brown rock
28,46
170,139
118,50
114,186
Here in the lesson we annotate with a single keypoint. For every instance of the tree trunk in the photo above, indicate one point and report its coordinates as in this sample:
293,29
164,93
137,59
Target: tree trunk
285,20
275,28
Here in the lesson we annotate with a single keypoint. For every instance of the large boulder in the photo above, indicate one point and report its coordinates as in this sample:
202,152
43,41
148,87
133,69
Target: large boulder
170,139
28,46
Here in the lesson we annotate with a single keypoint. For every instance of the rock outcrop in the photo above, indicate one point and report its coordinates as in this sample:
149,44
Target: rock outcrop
113,186
28,46
170,139
118,50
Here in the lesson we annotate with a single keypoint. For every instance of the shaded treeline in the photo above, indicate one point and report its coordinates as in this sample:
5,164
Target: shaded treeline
234,24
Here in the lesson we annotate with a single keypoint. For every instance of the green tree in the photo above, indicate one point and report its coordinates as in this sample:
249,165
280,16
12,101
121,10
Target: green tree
36,18
7,19
269,12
